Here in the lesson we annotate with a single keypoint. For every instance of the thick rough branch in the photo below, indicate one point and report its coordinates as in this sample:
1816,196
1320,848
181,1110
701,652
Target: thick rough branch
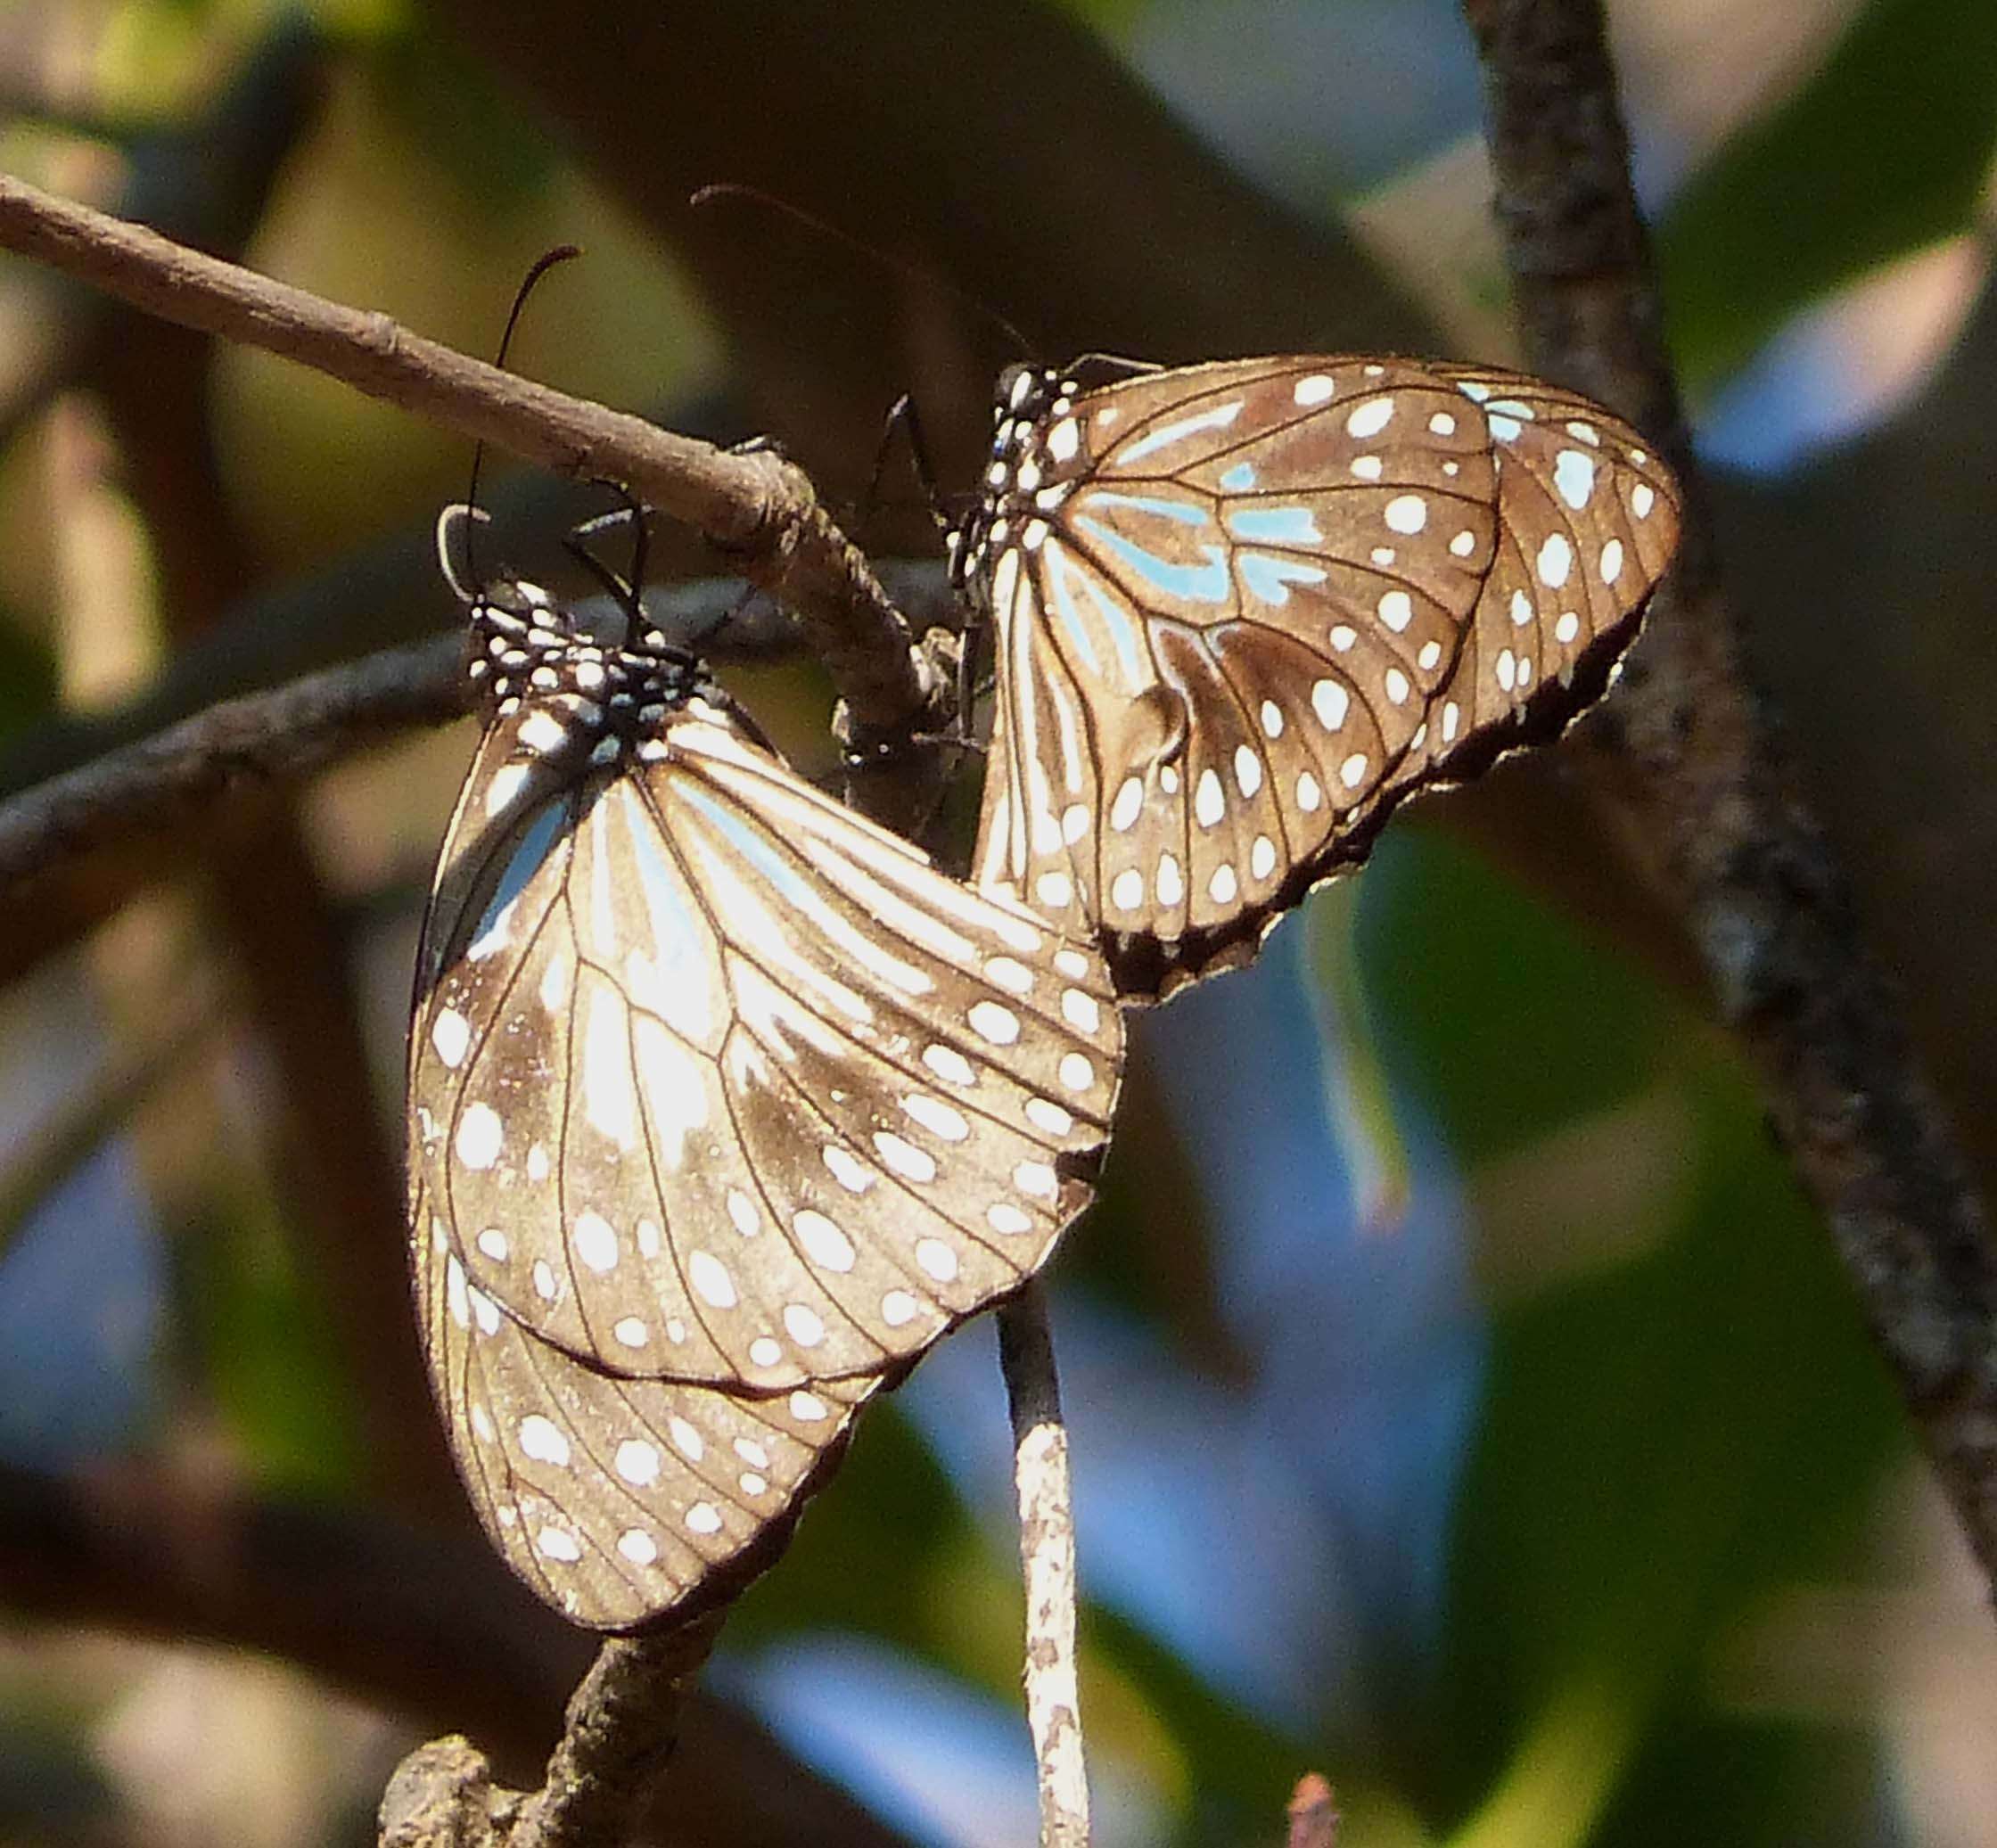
756,506
622,1724
1047,1553
1714,800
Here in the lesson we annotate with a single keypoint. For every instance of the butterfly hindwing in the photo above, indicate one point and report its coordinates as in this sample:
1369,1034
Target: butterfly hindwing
614,1497
1242,609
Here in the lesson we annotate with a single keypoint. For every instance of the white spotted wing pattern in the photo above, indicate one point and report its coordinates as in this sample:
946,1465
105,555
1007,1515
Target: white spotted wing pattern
725,1104
1241,610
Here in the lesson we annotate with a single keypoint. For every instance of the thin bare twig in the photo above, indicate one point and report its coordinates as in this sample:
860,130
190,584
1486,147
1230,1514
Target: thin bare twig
264,738
1047,1553
1748,864
756,506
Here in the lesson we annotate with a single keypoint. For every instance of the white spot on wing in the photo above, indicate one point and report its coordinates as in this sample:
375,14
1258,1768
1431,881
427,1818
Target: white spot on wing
937,1117
451,1034
911,1162
1331,702
479,1137
947,1062
803,1325
595,1242
991,1022
1370,418
1574,476
711,1278
937,1259
638,1461
822,1242
1407,513
542,1441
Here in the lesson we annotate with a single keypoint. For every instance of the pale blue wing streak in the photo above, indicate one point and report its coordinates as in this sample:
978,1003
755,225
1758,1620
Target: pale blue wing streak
1187,583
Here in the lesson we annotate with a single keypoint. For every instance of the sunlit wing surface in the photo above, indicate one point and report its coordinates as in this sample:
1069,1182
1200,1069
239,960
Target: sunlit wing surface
1241,610
724,1102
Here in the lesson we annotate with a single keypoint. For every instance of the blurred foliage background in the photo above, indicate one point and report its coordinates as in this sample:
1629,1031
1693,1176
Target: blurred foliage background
1465,1402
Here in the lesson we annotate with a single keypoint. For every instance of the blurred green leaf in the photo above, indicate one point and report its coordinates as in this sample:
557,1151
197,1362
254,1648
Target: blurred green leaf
1112,18
1636,1485
1240,1768
1887,149
1360,1099
1504,1019
446,104
28,684
1707,1776
1666,1436
267,1349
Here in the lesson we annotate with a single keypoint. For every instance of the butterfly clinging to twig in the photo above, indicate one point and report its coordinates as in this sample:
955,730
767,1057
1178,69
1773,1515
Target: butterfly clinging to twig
724,1106
1243,609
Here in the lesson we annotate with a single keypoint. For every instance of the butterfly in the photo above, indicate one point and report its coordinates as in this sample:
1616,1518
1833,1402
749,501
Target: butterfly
724,1106
1243,609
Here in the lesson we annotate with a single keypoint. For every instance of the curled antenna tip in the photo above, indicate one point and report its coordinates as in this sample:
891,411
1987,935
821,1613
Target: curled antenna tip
454,526
546,261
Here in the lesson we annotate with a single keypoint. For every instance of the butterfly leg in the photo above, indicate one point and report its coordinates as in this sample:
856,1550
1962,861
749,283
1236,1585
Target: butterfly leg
634,513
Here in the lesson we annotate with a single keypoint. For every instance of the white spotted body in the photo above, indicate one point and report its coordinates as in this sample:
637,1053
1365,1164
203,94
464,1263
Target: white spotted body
725,1106
1241,610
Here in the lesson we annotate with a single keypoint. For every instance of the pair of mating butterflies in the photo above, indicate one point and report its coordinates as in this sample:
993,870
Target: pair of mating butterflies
726,1104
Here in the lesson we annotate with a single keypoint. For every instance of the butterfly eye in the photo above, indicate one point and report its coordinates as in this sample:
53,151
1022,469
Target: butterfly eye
1268,600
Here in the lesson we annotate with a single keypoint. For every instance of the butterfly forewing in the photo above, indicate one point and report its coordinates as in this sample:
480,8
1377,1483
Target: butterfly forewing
757,1095
1242,609
724,1105
1588,520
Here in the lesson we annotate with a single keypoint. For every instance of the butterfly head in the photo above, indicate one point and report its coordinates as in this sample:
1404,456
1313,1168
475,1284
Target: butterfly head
527,647
1036,452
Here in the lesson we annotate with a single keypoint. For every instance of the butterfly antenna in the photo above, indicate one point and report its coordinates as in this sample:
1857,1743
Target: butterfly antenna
901,266
539,268
625,592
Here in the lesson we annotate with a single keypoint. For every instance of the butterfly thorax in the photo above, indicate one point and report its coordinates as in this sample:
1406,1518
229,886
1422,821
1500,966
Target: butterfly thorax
528,654
1037,456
